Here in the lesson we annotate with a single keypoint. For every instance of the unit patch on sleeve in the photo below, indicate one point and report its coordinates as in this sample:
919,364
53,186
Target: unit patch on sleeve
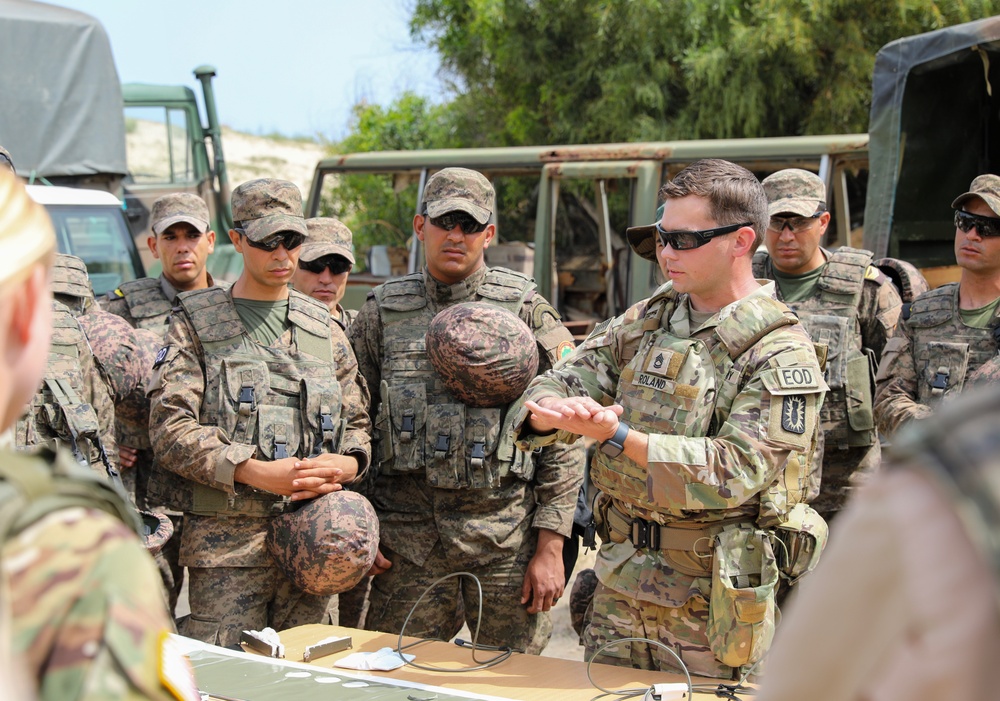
793,413
161,355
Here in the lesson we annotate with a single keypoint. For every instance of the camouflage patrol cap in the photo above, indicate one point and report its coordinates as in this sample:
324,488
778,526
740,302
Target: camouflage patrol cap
581,599
328,544
485,355
70,278
157,529
327,236
794,191
5,159
266,206
26,233
459,190
179,207
985,187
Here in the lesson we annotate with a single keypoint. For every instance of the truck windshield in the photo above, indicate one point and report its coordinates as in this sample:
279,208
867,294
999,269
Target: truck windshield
100,237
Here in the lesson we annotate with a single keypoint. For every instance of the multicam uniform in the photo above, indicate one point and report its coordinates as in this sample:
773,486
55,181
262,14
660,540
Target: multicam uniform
219,398
451,491
853,312
731,409
932,354
88,615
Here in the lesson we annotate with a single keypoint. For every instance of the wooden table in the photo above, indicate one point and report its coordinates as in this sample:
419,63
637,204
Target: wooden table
523,677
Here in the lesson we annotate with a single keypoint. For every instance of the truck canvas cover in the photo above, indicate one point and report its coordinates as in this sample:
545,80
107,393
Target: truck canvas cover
934,126
61,105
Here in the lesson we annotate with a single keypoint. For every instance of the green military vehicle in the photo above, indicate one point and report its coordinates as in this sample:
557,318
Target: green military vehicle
66,119
563,210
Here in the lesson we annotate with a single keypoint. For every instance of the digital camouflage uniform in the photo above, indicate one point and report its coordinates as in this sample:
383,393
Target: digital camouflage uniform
451,491
330,236
853,312
88,617
72,407
932,354
219,398
731,410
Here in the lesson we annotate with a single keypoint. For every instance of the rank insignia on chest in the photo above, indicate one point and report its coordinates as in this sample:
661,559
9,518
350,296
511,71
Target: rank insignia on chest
663,363
793,413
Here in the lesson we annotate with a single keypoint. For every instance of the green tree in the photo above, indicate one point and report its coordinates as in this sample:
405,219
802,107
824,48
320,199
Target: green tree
592,71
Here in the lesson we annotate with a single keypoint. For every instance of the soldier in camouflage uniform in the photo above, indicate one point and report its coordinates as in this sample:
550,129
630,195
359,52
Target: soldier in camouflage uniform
182,240
705,399
73,406
325,264
949,332
845,303
904,604
450,490
80,604
256,402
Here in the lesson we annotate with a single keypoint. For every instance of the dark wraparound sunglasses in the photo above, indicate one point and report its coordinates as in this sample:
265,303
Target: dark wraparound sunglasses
289,239
985,226
686,240
338,265
465,221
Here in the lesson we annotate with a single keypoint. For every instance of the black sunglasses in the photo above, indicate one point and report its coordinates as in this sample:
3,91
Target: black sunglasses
686,240
338,265
985,226
289,239
466,221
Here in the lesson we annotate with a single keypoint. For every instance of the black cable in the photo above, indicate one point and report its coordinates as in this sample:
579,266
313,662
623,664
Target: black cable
505,652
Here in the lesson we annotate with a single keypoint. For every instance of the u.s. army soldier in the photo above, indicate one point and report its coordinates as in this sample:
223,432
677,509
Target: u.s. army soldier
705,398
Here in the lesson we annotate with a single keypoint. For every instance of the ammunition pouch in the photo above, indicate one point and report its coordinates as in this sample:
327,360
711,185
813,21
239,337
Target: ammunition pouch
802,537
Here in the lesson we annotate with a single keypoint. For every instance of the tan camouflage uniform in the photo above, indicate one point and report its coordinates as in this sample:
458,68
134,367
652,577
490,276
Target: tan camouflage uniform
205,426
728,446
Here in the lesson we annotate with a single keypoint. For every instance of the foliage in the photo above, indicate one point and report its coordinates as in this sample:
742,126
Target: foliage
591,71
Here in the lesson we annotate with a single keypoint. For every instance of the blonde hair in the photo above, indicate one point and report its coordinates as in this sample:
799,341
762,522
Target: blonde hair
26,233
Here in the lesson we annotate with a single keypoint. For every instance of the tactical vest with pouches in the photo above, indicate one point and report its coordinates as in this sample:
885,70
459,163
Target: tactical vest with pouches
830,317
59,413
945,351
420,426
686,386
147,304
286,401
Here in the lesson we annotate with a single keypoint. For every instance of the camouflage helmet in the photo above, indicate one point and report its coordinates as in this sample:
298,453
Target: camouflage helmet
581,599
485,355
327,545
156,530
909,281
70,279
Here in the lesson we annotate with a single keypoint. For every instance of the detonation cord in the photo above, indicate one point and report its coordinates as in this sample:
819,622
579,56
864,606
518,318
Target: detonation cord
505,652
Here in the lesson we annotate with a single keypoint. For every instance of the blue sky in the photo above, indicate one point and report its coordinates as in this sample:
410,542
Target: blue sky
291,66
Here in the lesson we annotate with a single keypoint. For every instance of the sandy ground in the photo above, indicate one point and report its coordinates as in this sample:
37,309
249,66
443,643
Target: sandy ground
247,156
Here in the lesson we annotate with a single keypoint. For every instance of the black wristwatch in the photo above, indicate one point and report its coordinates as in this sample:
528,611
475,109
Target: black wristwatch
614,446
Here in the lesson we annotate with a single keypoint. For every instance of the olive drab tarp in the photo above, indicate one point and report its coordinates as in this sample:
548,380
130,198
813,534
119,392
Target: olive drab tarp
934,126
61,114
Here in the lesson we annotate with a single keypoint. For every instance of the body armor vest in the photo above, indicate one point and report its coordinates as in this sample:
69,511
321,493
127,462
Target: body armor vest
830,317
60,413
147,304
420,425
284,400
945,351
686,387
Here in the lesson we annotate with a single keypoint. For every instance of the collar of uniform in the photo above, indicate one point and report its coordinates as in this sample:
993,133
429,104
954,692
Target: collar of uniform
680,320
169,291
462,290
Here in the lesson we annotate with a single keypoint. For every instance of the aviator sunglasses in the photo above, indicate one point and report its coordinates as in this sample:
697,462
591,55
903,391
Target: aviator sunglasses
985,226
686,240
289,239
465,221
338,265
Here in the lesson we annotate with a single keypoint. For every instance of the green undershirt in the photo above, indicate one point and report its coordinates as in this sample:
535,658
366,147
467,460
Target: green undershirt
264,321
795,288
979,318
